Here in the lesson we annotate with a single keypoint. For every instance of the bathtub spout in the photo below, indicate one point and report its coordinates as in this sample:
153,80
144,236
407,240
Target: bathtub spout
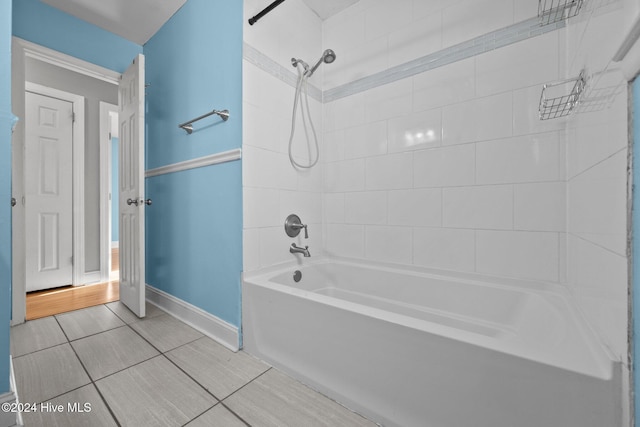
299,250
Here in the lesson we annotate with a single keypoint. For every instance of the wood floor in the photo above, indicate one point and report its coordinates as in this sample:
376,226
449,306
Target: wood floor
60,300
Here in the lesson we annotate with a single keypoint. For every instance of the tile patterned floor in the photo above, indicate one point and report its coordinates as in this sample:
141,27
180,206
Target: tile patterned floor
102,366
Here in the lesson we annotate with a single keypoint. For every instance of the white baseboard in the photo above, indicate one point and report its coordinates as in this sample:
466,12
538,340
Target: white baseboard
90,277
10,419
210,325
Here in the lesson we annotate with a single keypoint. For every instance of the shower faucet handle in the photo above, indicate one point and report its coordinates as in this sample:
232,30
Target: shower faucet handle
306,233
293,225
300,227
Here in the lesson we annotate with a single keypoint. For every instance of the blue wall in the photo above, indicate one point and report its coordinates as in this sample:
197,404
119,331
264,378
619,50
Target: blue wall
42,24
194,64
5,191
194,227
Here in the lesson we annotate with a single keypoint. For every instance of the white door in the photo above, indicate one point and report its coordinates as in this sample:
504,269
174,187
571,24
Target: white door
131,182
48,191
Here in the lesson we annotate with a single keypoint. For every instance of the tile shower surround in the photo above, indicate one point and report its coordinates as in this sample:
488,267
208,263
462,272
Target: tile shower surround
439,161
477,183
156,371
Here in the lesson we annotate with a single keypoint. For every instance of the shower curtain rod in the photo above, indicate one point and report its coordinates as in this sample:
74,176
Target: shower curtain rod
264,11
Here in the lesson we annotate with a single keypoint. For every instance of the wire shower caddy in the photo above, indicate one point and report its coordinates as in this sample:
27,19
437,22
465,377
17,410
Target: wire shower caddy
552,11
555,102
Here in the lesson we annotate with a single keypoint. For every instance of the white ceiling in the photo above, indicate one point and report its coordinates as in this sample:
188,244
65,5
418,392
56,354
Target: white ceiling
326,8
135,20
139,20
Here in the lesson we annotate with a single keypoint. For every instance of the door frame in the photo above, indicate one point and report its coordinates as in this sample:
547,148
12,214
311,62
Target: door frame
77,215
20,51
106,192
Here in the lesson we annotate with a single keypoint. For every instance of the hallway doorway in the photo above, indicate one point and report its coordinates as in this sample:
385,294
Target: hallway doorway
68,298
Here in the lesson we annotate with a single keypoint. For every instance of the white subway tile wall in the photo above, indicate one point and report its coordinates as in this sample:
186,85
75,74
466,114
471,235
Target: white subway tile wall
432,152
478,207
451,179
597,150
272,188
446,248
466,19
445,167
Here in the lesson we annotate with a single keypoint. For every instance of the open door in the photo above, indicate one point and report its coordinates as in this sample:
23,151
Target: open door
131,183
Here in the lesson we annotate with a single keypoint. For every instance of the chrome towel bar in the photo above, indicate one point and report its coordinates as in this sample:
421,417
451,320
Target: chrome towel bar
188,126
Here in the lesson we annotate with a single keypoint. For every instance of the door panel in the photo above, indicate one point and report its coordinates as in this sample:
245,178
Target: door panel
131,182
48,191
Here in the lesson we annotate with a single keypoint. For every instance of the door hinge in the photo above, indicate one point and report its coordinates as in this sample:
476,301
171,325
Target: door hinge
73,117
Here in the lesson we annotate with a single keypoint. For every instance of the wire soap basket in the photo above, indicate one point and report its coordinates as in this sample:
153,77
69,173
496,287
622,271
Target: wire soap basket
552,11
556,102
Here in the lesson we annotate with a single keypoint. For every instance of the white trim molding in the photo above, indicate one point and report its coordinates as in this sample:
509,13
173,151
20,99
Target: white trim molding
210,325
213,159
10,418
62,60
20,51
106,192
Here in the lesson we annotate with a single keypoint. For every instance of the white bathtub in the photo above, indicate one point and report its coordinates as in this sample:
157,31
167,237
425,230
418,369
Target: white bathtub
423,348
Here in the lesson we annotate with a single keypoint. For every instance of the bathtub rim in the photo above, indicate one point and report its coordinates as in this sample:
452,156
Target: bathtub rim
602,362
526,284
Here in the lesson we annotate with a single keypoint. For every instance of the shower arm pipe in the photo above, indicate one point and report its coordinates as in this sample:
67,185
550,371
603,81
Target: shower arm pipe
188,126
265,11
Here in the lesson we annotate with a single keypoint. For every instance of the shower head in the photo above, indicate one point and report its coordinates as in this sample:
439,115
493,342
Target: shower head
328,56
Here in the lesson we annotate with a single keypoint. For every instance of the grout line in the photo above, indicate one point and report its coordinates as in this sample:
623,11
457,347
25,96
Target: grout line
39,350
160,353
200,414
131,366
96,333
234,413
569,179
248,382
189,375
591,242
218,400
164,354
119,317
62,329
106,404
92,382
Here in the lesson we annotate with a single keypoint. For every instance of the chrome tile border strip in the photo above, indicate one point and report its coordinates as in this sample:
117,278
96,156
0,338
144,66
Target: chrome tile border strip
481,44
270,66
